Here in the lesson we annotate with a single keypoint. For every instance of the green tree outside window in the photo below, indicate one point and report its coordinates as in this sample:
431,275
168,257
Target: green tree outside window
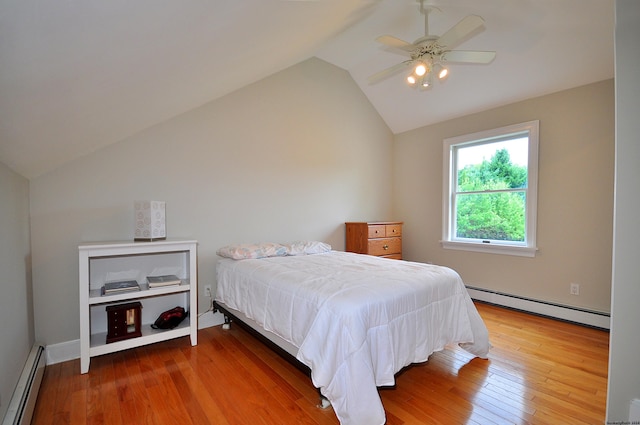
489,204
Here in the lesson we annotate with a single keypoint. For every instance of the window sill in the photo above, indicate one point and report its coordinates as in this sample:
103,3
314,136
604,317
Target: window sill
520,251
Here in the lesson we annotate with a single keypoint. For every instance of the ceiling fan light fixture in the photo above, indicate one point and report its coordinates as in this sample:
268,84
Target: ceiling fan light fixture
428,53
421,69
425,81
442,72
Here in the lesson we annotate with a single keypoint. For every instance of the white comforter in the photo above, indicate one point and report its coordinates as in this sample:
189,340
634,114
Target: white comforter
356,319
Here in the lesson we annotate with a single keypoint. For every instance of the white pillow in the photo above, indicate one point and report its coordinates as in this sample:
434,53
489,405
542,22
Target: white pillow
245,251
306,247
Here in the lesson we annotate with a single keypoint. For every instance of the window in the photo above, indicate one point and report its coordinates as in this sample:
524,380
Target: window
490,190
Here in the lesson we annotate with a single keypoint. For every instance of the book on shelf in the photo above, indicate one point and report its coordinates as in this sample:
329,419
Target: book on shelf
164,280
120,286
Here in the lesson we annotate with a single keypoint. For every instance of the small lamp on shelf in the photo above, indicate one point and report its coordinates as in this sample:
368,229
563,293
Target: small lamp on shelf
150,220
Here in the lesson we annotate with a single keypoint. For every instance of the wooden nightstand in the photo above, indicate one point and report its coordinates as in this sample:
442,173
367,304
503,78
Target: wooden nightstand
379,238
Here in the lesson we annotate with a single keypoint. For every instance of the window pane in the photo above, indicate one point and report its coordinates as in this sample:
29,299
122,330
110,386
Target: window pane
491,166
490,190
491,216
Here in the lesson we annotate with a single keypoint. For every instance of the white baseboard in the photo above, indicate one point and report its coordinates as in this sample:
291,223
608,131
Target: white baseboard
70,350
595,319
209,319
62,352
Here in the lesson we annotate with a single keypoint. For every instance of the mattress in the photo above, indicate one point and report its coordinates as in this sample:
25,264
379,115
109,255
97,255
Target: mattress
355,319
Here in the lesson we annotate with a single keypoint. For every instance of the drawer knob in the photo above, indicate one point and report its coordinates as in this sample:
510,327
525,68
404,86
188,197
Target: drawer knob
385,247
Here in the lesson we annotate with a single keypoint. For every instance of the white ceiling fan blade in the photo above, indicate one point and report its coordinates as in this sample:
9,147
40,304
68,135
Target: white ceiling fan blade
459,31
385,73
391,41
468,56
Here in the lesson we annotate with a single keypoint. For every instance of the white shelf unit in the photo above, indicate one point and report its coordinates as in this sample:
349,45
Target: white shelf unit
104,262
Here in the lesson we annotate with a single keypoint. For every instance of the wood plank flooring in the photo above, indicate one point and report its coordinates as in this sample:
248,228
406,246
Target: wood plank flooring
539,371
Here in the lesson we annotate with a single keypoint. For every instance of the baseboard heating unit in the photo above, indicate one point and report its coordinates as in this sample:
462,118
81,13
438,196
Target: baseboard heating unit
590,318
24,397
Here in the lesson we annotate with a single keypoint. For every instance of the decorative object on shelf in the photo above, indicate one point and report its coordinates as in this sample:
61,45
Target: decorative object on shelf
150,220
123,321
170,319
120,286
165,280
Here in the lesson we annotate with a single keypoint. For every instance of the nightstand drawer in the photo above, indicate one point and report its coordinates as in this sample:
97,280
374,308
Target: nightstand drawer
393,230
377,231
385,246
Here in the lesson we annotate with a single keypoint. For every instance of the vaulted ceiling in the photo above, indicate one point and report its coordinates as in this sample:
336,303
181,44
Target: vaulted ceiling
78,75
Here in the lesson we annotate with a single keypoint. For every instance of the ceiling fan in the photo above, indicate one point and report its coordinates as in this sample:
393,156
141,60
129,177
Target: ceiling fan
430,54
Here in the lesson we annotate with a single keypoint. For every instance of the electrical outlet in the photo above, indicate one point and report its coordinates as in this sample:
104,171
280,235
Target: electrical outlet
574,289
207,291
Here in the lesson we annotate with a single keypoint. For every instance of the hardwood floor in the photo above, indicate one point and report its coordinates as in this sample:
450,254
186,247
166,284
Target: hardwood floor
539,371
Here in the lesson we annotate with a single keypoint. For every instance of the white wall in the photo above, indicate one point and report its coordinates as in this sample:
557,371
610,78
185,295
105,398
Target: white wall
16,307
575,198
290,157
624,373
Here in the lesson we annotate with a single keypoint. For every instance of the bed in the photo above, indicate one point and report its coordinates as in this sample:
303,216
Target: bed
354,320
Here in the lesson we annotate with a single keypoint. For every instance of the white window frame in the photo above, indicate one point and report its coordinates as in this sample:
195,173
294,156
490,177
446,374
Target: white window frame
449,241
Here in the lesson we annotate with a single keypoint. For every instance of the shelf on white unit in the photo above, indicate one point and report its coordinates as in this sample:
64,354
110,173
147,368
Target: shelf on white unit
149,336
96,297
